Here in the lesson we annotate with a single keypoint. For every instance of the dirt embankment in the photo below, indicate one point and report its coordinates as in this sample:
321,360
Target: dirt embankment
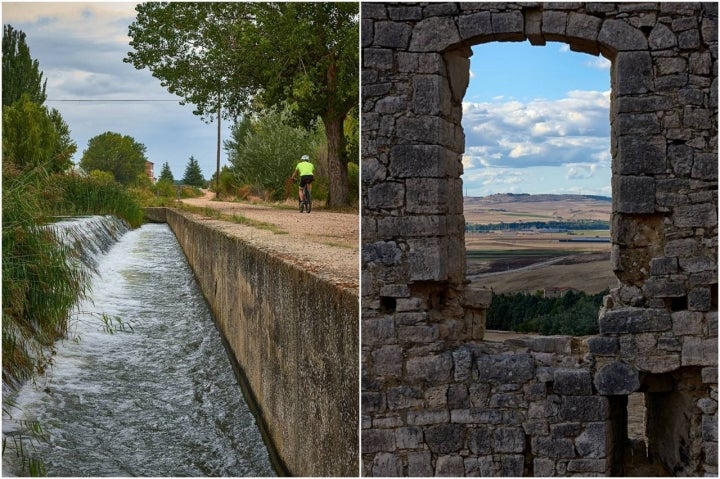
326,241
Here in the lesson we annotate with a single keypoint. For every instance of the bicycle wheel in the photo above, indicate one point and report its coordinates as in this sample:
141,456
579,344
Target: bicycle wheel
302,206
308,200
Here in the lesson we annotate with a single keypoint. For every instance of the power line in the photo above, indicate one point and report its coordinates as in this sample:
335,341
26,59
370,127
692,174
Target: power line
108,99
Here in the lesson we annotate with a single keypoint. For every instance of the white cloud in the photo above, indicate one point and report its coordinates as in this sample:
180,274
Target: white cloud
600,63
574,129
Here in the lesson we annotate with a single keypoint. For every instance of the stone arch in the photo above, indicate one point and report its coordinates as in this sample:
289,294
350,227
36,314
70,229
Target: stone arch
419,315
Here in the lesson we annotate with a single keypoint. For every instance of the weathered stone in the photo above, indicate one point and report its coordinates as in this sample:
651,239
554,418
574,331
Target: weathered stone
419,464
700,299
621,36
616,378
695,216
572,382
517,368
387,361
480,467
592,442
584,408
412,161
424,418
641,155
603,346
408,437
434,34
434,369
480,440
445,438
392,34
429,195
554,24
386,195
377,58
664,288
661,38
658,364
507,25
509,439
554,448
475,26
709,428
699,351
663,266
376,440
633,194
687,323
387,465
586,465
462,359
543,467
449,466
583,31
512,465
403,13
705,166
634,320
476,416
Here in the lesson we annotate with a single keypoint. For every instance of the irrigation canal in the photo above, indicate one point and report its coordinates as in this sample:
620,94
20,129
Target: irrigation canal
160,400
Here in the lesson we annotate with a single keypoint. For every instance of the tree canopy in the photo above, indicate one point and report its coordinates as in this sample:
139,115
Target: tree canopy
166,173
241,55
193,174
21,74
118,154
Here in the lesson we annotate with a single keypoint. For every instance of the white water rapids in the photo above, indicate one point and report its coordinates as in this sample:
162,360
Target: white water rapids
160,400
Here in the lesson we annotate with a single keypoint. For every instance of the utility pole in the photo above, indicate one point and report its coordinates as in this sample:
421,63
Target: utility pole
217,173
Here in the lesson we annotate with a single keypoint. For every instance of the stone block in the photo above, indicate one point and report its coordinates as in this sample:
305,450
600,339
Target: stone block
512,465
427,259
434,35
408,437
633,194
476,26
587,466
584,408
403,13
568,429
617,378
377,440
700,299
378,331
695,216
434,369
477,296
664,288
387,465
462,360
621,36
372,401
392,35
480,467
553,448
543,467
699,352
395,291
707,405
415,161
404,397
387,361
427,195
709,428
424,418
603,345
449,466
634,320
533,24
641,155
509,439
508,25
689,39
503,368
445,438
388,195
404,226
554,25
663,266
418,334
431,95
687,323
476,416
536,427
658,364
383,252
419,464
705,166
551,344
681,247
377,58
572,382
661,38
432,130
592,442
479,440
709,375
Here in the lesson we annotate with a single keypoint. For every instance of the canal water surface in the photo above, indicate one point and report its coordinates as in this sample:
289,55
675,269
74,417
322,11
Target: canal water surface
158,400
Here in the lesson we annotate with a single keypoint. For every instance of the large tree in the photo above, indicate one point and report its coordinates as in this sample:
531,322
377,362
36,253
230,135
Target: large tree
118,154
193,174
166,174
20,73
303,55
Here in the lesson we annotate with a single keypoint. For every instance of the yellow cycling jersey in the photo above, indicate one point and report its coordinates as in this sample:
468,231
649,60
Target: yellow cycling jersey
305,168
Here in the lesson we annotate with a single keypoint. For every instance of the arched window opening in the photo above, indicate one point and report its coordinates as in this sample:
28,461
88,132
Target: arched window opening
536,186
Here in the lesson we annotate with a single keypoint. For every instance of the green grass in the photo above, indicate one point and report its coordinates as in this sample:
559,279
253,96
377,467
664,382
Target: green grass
234,218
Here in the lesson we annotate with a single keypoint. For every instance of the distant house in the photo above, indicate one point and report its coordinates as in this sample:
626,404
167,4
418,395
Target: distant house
553,292
149,170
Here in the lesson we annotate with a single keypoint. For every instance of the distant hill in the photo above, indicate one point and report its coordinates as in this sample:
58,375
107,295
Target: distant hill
511,207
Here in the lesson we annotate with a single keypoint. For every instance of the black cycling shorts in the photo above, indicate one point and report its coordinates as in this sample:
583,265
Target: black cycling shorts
306,179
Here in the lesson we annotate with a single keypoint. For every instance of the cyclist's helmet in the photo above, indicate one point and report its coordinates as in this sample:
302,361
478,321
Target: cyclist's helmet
305,158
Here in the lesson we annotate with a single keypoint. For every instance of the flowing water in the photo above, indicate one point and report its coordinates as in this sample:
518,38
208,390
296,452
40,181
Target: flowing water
158,400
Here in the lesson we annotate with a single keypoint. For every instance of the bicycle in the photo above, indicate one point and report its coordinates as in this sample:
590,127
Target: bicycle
306,203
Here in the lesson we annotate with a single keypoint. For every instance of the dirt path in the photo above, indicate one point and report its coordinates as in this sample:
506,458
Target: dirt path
326,242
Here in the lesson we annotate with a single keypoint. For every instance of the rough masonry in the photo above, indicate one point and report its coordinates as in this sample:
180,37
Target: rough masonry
436,398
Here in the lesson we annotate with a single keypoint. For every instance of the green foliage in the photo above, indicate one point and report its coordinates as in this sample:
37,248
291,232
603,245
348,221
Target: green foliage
354,182
300,54
95,194
166,174
20,73
264,151
39,284
559,225
120,155
574,314
193,175
30,137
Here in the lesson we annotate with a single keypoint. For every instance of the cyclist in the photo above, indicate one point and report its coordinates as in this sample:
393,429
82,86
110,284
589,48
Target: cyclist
305,169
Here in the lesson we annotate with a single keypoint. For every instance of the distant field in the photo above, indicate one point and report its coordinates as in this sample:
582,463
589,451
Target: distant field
528,261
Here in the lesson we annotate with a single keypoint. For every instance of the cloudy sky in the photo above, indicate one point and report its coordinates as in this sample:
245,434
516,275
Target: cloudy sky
536,120
80,47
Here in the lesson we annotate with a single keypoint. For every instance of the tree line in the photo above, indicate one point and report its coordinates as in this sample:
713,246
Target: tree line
525,225
574,314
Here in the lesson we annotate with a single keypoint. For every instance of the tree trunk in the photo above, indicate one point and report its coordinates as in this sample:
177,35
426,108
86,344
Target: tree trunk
337,167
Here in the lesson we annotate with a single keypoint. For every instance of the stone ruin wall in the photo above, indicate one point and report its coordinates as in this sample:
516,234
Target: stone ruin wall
436,398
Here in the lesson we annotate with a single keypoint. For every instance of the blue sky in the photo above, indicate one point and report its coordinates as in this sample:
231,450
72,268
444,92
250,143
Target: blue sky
80,48
536,120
